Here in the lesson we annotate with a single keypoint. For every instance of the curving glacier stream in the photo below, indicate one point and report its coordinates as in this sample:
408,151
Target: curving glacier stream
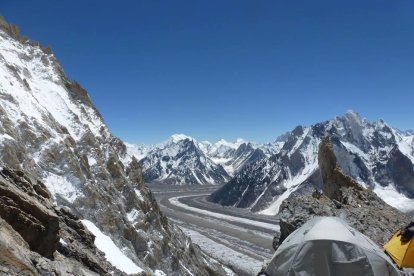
235,237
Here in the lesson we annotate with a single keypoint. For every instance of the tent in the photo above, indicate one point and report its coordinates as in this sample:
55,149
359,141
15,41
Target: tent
402,253
329,246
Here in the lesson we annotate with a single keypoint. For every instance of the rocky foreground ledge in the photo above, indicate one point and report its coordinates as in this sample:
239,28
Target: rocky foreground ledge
341,196
38,238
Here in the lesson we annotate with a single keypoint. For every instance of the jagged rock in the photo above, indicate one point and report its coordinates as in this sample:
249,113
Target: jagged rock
37,238
14,257
134,172
36,224
332,176
341,197
79,92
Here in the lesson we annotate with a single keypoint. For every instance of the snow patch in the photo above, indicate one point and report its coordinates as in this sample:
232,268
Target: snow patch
131,216
139,195
112,253
59,185
179,137
4,137
62,241
91,160
391,196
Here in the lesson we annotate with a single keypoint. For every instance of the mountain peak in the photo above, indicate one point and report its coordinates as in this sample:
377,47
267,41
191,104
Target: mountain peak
350,118
233,145
179,137
353,116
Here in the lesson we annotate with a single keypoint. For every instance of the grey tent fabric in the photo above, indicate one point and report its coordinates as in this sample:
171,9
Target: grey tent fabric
329,246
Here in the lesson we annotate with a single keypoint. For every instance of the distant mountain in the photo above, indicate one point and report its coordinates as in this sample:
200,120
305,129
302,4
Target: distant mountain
408,132
183,160
233,156
139,151
379,157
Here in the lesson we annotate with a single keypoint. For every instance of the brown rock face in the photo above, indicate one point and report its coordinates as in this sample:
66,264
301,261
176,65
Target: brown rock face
38,226
13,257
37,238
332,176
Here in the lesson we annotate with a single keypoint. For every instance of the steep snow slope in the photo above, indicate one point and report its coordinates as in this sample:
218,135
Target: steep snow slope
378,157
50,129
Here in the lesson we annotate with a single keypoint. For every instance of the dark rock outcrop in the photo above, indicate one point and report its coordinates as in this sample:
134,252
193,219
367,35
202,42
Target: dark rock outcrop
37,225
333,178
38,238
341,197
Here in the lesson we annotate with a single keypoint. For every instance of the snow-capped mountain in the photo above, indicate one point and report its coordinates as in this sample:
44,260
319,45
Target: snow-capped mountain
180,161
379,157
51,133
224,153
234,156
139,151
183,160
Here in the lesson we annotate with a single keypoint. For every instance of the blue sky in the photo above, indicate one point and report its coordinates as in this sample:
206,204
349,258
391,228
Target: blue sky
228,69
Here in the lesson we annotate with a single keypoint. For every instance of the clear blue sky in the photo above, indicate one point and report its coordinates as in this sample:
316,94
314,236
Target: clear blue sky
213,69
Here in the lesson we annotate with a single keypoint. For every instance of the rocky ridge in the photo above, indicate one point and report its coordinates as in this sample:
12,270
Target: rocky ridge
343,197
374,154
51,131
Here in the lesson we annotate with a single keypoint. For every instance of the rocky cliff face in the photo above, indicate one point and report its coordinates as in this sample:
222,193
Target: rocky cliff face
375,155
341,197
50,129
38,238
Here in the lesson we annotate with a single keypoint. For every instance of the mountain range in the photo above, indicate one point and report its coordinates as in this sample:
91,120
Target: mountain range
261,176
377,156
183,160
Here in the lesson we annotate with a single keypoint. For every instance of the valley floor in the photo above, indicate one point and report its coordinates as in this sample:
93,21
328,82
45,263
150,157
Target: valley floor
236,237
